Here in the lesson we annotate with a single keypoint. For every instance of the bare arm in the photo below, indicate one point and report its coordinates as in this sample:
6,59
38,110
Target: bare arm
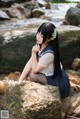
35,66
26,70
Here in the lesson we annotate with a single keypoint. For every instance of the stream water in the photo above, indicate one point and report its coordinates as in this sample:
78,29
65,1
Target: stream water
56,14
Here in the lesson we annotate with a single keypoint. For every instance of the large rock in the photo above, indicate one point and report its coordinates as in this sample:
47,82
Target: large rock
37,13
72,16
78,5
15,49
18,11
69,44
16,44
16,41
31,100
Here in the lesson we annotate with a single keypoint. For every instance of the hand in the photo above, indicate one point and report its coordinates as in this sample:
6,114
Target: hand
35,48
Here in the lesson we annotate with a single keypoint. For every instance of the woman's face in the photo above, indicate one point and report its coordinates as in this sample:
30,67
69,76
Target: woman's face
39,38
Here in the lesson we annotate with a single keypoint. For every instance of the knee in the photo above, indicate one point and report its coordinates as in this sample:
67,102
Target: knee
32,77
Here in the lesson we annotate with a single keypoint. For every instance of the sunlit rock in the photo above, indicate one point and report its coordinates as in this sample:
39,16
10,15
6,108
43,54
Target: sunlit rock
33,101
18,11
3,86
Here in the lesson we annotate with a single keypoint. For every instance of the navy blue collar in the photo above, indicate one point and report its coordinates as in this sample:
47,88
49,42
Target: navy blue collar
47,49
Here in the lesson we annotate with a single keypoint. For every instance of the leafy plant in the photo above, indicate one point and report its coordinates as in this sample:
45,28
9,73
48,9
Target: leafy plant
60,1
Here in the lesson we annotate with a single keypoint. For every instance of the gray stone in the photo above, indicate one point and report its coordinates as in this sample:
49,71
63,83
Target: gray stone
78,5
18,11
15,50
31,100
37,13
69,44
72,16
16,45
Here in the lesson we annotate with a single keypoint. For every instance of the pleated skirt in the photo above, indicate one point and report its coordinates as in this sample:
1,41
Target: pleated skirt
62,82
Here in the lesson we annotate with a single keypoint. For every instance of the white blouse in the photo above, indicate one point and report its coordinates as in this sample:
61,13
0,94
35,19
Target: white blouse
46,61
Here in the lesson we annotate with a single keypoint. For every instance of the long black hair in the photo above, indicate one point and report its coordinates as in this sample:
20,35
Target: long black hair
47,30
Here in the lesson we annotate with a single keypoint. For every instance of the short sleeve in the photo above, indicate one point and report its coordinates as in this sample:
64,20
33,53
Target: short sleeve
46,59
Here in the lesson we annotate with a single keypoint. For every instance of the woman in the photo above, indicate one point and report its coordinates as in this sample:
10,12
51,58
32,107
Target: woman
44,65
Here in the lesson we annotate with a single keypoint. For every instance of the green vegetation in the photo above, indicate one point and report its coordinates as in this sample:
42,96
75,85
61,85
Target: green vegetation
13,102
62,1
59,1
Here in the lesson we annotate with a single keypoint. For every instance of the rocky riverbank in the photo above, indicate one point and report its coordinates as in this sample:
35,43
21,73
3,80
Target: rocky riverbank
19,21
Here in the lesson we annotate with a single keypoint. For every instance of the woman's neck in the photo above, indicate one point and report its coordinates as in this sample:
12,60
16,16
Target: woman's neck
43,46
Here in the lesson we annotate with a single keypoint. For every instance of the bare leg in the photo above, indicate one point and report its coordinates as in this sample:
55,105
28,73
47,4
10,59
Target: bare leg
39,78
26,70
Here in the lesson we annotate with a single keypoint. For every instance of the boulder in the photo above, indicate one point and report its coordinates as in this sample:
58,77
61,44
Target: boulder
48,5
16,50
78,5
37,13
69,44
16,44
16,41
30,100
72,16
18,11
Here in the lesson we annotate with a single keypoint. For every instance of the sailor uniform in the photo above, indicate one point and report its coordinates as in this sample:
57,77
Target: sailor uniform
46,59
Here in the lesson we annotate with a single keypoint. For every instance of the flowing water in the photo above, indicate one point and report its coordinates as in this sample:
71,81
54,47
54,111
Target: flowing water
56,14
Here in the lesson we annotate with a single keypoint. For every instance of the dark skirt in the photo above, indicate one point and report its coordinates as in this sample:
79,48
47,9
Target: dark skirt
62,82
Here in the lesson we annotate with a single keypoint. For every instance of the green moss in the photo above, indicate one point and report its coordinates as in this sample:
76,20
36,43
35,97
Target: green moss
16,52
42,113
12,102
62,1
